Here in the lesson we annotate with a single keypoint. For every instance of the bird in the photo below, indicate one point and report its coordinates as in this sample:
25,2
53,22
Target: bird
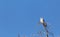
42,21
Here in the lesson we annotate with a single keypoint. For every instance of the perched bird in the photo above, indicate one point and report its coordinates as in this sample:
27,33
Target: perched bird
42,21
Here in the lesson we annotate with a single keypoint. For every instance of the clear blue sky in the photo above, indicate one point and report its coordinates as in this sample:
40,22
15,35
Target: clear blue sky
22,16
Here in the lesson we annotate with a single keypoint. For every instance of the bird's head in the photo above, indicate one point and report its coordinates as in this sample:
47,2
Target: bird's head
42,20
